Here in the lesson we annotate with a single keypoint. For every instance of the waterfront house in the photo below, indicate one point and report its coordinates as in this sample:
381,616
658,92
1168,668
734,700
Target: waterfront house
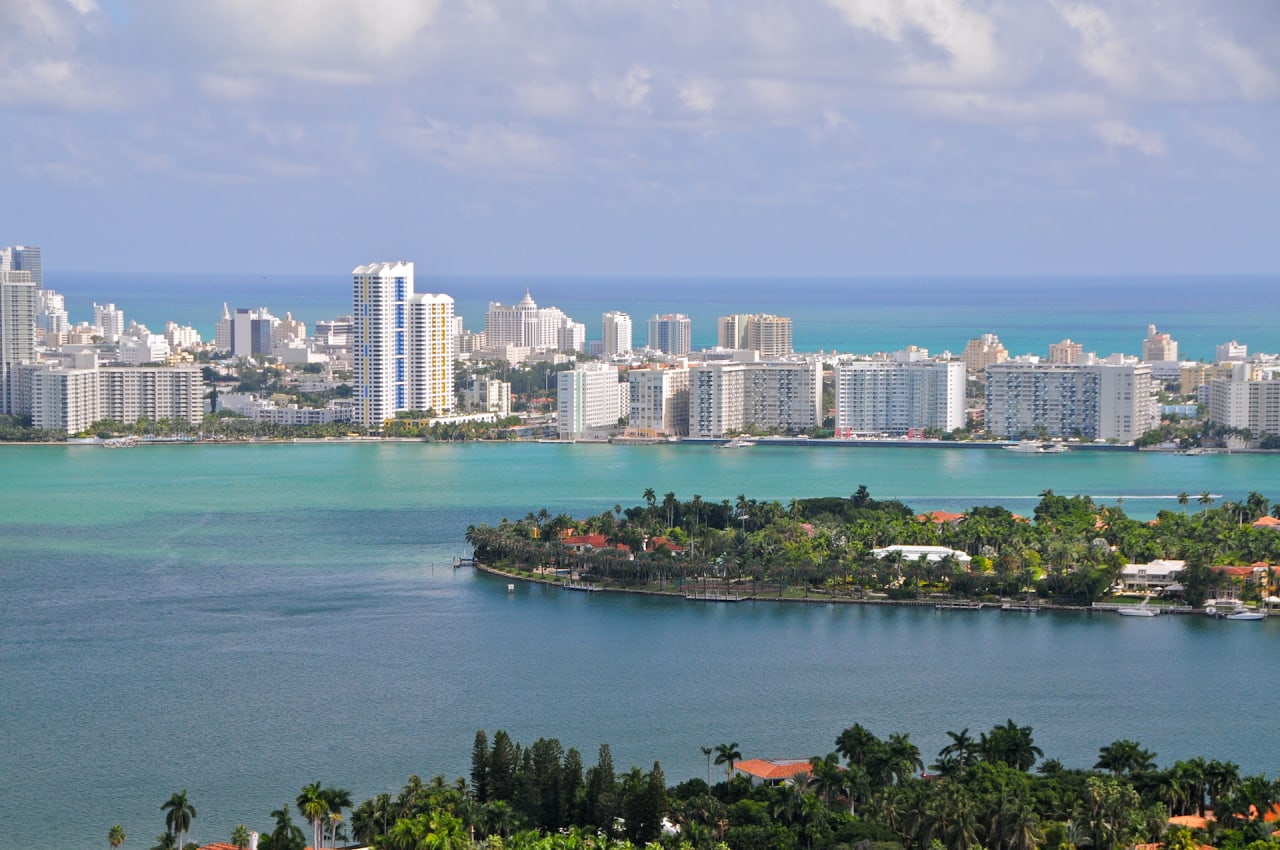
772,771
922,553
1156,575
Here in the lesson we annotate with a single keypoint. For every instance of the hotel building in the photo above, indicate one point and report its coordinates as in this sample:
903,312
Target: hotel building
726,397
896,397
1096,401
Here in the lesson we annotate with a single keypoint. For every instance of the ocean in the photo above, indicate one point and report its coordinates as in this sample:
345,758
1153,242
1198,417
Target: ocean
855,315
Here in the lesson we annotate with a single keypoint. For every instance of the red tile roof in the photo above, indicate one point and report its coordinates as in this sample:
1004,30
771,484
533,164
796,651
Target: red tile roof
772,769
1267,522
940,517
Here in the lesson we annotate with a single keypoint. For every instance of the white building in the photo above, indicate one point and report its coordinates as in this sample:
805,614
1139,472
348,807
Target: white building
403,345
1157,575
130,394
526,325
17,330
1097,401
589,401
142,348
51,313
615,331
23,258
882,396
1230,351
726,397
431,353
659,401
932,554
671,334
109,321
223,330
489,394
253,331
181,336
1245,401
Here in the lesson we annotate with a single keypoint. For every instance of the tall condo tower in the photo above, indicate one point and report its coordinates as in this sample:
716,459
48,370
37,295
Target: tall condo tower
402,344
671,334
616,333
23,258
17,330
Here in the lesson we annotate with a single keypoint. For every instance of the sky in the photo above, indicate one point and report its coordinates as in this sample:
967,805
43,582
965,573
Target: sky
644,137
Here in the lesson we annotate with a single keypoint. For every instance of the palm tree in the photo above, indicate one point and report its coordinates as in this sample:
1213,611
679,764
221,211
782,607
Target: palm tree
1125,758
963,749
727,755
115,836
240,837
1183,498
707,751
313,806
1206,499
178,815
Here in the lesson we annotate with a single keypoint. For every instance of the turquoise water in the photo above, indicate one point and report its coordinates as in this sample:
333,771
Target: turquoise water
242,620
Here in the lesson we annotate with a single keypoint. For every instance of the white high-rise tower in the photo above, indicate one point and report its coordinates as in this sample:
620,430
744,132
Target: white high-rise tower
616,333
17,330
402,344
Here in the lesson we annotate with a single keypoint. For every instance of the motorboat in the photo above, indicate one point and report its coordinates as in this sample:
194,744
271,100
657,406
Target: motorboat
738,443
1036,447
1245,614
1140,610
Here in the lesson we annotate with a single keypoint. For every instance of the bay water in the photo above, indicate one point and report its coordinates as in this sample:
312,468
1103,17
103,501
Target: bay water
242,620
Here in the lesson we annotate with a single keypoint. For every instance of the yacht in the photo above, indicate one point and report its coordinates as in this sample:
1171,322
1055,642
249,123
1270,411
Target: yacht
1245,614
738,443
1035,447
1140,610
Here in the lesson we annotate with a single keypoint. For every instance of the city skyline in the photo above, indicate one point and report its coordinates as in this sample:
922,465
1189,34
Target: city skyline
844,137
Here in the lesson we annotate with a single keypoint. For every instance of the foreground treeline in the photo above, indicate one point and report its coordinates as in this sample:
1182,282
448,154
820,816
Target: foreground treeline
1071,549
989,791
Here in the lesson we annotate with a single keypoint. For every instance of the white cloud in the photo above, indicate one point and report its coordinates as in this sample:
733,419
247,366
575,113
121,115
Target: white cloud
1245,69
699,95
1115,133
630,91
968,38
1229,141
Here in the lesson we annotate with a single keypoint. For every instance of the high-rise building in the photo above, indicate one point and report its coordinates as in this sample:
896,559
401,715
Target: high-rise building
616,333
760,332
51,312
1065,352
23,258
671,334
981,352
253,331
526,325
589,399
224,330
403,345
883,396
725,397
659,401
1096,401
109,321
1158,347
1241,399
17,330
431,352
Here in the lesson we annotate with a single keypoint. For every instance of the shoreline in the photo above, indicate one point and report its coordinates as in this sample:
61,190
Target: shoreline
941,604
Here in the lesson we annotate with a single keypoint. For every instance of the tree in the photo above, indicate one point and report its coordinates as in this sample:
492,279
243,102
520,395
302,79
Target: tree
707,751
313,806
240,837
115,836
962,751
1010,744
178,815
480,767
1125,758
286,835
727,755
1183,498
1206,499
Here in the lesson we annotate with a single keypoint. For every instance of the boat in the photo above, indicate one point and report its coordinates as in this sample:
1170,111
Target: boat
738,443
713,597
1140,610
1245,614
1036,447
958,606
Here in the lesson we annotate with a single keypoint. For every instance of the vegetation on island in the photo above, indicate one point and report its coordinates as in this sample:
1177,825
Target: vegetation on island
1071,550
989,791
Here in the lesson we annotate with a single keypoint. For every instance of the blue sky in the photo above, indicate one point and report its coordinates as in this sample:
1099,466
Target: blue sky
615,137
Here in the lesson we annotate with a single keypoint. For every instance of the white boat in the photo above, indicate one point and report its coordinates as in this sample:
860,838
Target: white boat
738,443
1035,447
1140,610
1244,614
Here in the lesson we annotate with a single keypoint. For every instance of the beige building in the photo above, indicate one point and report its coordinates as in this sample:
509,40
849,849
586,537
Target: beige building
1158,347
659,401
1240,400
760,332
1066,352
981,352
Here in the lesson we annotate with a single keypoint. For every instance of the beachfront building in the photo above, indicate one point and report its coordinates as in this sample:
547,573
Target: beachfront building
1066,352
1101,401
726,397
71,398
1240,397
981,352
897,397
590,401
109,321
768,335
1158,346
615,331
659,399
17,330
403,345
1157,575
527,326
671,334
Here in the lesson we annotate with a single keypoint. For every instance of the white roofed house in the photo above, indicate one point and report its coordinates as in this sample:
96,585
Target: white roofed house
1157,575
